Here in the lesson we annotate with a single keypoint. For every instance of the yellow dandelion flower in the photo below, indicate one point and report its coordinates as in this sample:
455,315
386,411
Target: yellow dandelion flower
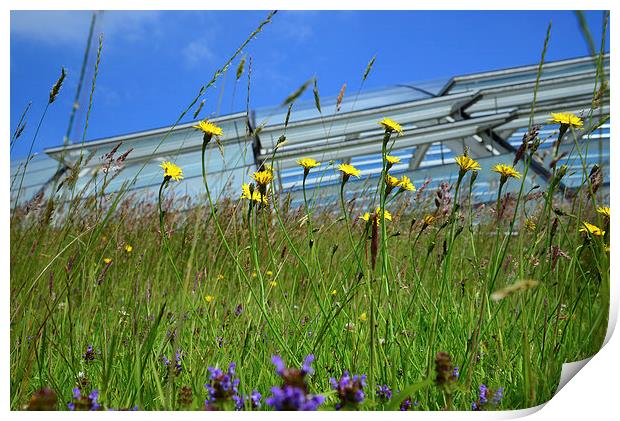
269,273
308,163
604,210
208,128
256,196
467,164
128,248
392,159
591,229
406,184
273,283
107,260
506,171
391,126
363,317
264,177
172,171
391,181
349,169
209,298
387,215
566,119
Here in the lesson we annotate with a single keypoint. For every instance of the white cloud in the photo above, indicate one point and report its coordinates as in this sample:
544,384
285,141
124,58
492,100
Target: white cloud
197,52
62,28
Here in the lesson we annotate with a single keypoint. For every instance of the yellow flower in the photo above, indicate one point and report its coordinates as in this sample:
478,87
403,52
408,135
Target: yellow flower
172,171
363,317
308,163
391,181
604,210
566,119
391,126
107,260
334,292
429,219
467,164
392,159
220,277
530,225
406,184
591,229
269,273
273,283
209,298
506,171
209,128
348,170
128,248
387,215
255,196
254,274
264,177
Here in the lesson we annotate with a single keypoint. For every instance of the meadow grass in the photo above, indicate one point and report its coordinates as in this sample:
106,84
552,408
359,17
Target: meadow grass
144,301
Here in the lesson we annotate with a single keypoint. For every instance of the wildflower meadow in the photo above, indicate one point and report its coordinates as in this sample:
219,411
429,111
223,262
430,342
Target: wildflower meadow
408,298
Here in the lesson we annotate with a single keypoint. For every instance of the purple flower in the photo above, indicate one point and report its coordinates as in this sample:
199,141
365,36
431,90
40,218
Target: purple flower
255,398
279,363
291,398
384,393
306,368
238,310
293,395
406,404
350,389
497,397
239,402
456,373
84,403
222,386
89,355
482,397
178,366
487,398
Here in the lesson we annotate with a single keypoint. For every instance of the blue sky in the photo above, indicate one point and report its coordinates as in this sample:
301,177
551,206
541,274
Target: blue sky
154,62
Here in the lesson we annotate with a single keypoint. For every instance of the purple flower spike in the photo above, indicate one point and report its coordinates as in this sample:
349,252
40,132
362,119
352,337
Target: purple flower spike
277,361
384,393
223,386
290,398
483,394
487,398
293,395
497,397
350,389
84,403
307,367
255,398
